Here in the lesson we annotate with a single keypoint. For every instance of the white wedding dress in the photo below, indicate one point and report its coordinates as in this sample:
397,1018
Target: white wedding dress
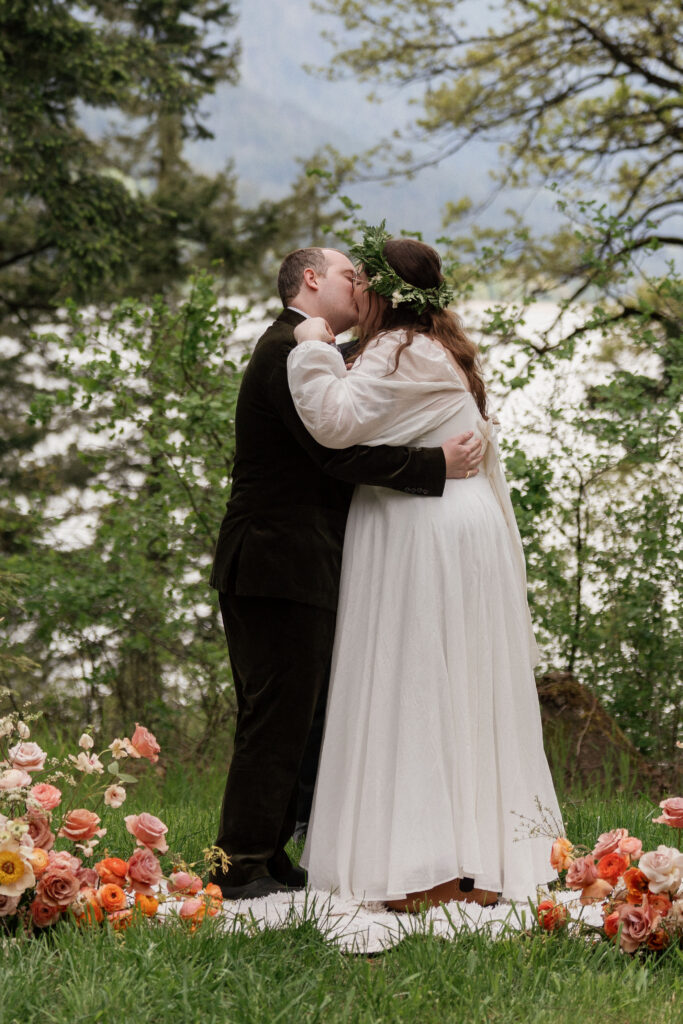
432,764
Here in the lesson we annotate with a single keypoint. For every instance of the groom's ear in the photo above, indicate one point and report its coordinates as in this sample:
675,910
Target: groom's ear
311,278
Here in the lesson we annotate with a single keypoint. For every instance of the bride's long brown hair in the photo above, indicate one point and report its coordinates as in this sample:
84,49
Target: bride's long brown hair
420,265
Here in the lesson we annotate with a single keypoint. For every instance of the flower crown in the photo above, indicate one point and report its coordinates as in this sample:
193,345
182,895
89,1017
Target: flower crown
384,280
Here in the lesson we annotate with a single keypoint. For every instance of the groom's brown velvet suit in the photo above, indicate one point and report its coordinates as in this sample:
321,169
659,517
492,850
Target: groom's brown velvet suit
277,568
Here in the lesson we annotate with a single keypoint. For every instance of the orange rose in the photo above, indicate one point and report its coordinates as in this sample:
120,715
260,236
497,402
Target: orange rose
636,885
112,871
611,867
560,858
215,902
551,915
39,860
148,905
112,897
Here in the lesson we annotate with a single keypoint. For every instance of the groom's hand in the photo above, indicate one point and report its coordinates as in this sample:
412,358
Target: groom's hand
463,455
314,329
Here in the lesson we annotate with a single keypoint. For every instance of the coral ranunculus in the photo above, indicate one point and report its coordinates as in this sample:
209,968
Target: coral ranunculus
80,825
145,743
148,830
147,905
636,885
560,855
611,867
673,812
611,924
551,915
112,897
112,870
39,860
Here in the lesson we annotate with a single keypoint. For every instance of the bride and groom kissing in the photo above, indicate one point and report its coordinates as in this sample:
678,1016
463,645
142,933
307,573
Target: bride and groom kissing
369,541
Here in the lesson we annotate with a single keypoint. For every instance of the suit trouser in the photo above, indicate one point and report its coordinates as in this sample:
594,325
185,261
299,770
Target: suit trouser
280,655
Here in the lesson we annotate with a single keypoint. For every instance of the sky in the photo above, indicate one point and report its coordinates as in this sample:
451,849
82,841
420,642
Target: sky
280,113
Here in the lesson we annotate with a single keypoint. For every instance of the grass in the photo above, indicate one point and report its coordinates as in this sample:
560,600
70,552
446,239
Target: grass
161,973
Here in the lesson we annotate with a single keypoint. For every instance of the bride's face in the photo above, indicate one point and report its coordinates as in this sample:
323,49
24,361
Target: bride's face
361,295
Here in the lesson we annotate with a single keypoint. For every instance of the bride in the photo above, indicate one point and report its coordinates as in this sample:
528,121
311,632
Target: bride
433,784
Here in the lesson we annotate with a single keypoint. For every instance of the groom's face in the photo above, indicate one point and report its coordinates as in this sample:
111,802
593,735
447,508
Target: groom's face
335,292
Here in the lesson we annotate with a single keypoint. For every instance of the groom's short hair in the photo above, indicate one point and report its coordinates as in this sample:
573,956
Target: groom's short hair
291,275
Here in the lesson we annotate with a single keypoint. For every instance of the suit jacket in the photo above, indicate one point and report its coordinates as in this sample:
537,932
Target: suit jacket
283,531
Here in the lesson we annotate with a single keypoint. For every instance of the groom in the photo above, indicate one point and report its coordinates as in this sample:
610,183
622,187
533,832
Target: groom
277,568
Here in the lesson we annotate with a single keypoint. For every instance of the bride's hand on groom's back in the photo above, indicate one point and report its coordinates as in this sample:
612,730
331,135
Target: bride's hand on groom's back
314,329
463,455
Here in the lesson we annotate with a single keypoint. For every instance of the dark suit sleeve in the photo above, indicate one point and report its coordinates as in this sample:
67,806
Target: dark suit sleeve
411,470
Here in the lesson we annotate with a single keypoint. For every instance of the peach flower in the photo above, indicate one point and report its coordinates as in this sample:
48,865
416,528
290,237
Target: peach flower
28,757
39,860
630,847
44,914
581,872
58,885
8,904
147,905
611,924
121,919
192,909
182,882
148,830
86,907
594,892
14,778
673,812
47,796
144,871
80,825
636,884
144,744
560,855
114,796
609,841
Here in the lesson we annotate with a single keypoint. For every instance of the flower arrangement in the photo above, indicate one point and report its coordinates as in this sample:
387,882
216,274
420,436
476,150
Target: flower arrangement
41,803
641,894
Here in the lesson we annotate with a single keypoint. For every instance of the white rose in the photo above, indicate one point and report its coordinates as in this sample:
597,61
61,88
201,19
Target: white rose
663,868
6,727
23,730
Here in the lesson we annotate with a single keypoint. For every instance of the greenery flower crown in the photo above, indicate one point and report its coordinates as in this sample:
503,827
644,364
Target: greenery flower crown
384,280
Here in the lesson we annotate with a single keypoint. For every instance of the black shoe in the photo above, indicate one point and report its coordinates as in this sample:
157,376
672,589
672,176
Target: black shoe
293,878
264,886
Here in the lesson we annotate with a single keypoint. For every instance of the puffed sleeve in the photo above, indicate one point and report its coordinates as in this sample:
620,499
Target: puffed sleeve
372,404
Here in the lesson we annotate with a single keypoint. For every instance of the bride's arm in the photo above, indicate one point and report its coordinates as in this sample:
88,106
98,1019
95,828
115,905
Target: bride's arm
367,405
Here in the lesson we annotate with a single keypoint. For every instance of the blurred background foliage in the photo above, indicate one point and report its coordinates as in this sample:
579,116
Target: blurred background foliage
120,365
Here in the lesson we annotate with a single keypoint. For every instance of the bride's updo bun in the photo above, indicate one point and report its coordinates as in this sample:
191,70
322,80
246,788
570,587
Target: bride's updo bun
419,265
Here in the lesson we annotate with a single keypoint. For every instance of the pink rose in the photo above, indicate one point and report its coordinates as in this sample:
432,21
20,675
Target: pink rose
13,778
39,829
190,908
66,860
8,904
184,882
148,830
58,885
636,924
79,825
145,744
87,878
673,812
144,871
46,795
630,847
609,841
27,756
581,872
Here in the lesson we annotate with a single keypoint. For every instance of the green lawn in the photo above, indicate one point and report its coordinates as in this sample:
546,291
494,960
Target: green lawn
161,973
